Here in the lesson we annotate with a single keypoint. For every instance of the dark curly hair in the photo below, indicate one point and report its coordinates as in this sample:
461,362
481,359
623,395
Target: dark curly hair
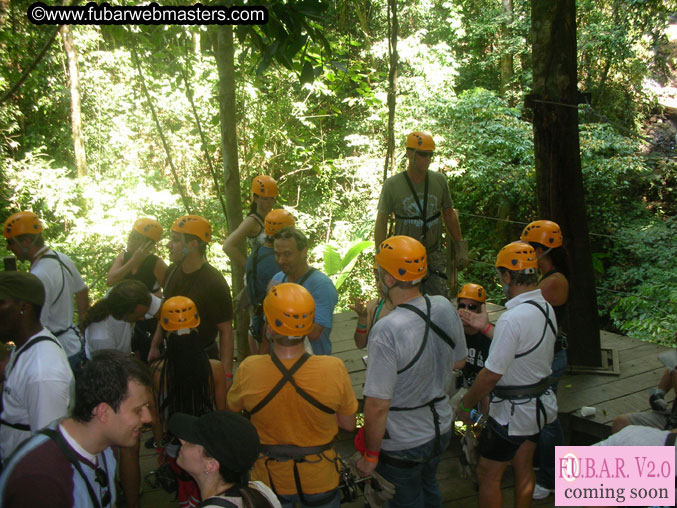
122,299
105,379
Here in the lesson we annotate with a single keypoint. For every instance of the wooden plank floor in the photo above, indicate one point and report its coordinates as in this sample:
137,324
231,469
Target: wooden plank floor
611,395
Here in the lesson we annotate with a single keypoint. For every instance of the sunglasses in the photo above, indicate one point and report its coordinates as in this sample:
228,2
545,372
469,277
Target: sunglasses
469,306
425,155
102,479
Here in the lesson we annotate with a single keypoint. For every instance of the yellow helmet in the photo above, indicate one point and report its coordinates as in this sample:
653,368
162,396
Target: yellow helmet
276,220
21,223
194,225
420,141
179,313
473,292
403,257
289,309
149,228
264,186
517,256
545,232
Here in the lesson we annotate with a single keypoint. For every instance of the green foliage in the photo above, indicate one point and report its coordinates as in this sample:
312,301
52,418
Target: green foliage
642,285
339,265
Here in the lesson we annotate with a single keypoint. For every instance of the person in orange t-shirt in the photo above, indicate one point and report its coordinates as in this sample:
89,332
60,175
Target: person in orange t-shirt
297,402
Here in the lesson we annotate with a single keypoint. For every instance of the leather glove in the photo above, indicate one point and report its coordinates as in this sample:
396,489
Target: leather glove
657,400
461,254
378,491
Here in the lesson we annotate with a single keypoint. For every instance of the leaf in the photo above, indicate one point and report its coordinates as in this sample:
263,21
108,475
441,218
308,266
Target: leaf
332,260
354,251
307,75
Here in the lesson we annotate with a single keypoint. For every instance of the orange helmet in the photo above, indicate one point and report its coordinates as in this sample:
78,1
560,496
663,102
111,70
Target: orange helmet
276,220
179,313
149,228
473,292
289,309
194,225
420,141
264,186
21,223
517,256
403,257
544,232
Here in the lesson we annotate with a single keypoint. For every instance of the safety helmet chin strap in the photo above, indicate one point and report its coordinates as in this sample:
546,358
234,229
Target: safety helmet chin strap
185,250
544,253
23,249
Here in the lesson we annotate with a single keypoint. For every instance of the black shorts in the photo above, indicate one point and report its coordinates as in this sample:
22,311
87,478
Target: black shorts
495,444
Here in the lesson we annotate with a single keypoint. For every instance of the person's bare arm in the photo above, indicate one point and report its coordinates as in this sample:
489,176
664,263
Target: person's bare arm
380,229
154,351
375,419
119,269
160,271
481,387
315,332
450,218
346,422
220,385
248,227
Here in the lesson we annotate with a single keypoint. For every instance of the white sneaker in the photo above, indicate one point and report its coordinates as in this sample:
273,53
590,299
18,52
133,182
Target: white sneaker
541,492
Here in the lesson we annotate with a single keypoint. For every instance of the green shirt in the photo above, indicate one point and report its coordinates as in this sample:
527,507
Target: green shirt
396,196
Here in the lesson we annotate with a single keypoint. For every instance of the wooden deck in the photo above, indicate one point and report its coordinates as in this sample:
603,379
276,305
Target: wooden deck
610,395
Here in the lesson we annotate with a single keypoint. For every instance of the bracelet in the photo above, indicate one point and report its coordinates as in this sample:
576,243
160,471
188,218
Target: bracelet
360,325
229,375
372,453
464,408
370,459
489,325
357,330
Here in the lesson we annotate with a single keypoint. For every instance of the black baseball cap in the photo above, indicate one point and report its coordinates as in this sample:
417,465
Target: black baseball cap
228,437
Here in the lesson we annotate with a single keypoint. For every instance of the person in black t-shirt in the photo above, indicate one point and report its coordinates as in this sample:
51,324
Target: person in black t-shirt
471,299
192,276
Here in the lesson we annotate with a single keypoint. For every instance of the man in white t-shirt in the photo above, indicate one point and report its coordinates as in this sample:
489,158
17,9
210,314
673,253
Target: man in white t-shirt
517,375
39,385
60,277
412,353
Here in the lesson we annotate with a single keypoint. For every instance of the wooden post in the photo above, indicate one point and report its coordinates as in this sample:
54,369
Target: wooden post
558,164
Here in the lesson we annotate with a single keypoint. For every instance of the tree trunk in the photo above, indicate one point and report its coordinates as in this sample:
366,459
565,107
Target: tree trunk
558,164
393,29
225,62
506,58
76,117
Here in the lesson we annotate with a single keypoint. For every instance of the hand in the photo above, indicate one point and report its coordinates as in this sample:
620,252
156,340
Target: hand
461,253
359,307
657,400
365,467
142,252
477,321
463,416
